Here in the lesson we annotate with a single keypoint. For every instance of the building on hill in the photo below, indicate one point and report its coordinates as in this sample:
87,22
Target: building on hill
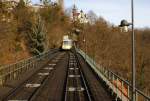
10,3
82,17
14,3
79,16
36,7
9,6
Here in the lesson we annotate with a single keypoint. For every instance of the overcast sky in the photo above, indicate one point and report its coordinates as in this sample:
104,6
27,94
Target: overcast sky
115,10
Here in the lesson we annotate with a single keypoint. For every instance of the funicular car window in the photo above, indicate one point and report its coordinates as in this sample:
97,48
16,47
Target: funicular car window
67,42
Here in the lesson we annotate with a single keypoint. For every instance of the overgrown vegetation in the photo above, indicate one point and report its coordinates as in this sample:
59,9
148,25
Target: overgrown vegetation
37,38
112,48
28,31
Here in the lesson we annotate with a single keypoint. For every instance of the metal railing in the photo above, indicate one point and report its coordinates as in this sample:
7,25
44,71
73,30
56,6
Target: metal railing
12,71
119,87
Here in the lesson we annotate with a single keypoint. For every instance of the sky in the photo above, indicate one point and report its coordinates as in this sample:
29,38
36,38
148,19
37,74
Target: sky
115,10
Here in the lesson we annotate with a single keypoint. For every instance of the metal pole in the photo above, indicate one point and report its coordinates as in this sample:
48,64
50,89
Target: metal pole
85,47
93,53
133,53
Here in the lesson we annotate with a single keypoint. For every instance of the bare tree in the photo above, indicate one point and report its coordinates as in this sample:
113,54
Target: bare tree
92,17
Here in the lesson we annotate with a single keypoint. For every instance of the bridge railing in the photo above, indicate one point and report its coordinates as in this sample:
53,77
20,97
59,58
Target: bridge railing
12,71
119,87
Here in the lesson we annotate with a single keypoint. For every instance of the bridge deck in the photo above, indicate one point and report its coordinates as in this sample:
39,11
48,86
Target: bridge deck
64,83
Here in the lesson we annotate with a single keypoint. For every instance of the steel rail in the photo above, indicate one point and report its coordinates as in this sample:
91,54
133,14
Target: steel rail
43,83
83,78
75,63
11,93
32,62
66,92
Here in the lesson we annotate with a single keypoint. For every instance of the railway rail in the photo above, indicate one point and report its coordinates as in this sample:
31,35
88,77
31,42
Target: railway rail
66,77
54,87
28,89
76,88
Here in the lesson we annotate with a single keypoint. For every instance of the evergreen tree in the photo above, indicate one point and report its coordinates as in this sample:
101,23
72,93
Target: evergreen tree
38,38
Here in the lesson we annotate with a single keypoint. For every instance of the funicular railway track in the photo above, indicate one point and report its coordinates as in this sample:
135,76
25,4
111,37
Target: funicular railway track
97,88
54,88
82,83
67,77
76,88
28,89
